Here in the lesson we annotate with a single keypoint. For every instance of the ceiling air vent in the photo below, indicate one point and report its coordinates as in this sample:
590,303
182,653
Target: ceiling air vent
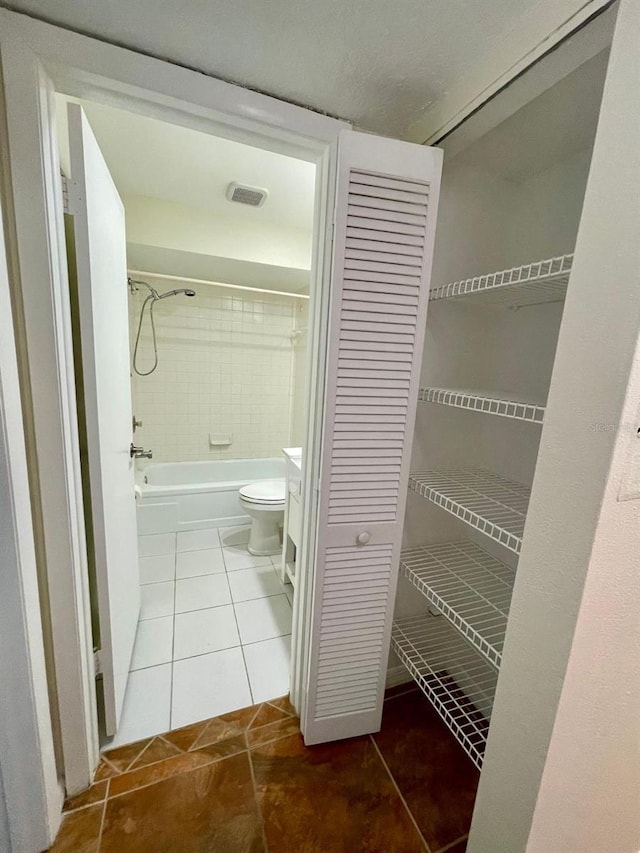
252,196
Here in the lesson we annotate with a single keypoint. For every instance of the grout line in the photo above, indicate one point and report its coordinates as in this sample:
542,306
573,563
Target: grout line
106,761
212,760
244,660
452,843
255,798
139,755
399,793
273,740
102,820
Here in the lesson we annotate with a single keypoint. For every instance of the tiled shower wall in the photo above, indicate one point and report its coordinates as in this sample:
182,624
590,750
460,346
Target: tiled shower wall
225,369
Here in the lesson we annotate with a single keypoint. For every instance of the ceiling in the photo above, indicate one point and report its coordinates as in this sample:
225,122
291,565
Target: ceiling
152,158
377,63
547,130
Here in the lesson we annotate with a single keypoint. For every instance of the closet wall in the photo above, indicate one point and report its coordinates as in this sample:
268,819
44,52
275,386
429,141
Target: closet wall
512,198
488,222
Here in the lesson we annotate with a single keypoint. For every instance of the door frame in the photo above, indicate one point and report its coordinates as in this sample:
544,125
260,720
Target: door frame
31,794
38,58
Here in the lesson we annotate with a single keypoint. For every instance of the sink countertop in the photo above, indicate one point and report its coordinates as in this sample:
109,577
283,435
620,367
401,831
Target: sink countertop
294,455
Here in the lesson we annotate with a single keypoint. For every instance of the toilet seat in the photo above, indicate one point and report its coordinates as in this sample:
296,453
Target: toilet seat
265,492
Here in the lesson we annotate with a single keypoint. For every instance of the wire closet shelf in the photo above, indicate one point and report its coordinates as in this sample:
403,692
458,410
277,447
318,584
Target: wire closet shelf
487,502
459,684
470,587
491,403
530,284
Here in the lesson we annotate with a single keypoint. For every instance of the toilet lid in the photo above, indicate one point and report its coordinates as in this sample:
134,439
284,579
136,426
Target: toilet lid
264,491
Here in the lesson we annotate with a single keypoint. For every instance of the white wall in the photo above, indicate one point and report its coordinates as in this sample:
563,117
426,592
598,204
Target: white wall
225,367
156,222
593,763
485,223
564,726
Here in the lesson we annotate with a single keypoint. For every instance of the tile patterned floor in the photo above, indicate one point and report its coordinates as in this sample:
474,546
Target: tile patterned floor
214,632
245,783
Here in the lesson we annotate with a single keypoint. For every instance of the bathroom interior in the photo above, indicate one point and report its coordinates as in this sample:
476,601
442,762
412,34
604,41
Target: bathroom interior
218,297
219,245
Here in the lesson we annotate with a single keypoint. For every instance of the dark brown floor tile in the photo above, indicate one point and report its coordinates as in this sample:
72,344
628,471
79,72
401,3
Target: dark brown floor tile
156,772
185,737
279,729
241,718
210,810
80,831
460,847
284,704
104,771
223,748
95,794
431,770
122,757
268,714
157,750
334,798
217,730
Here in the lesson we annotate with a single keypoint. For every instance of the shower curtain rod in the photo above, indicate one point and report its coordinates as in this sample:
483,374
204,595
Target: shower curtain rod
166,277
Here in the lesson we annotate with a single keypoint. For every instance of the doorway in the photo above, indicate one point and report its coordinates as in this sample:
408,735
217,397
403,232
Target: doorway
218,317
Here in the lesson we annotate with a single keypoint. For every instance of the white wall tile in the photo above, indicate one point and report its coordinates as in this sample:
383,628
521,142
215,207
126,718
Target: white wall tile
225,366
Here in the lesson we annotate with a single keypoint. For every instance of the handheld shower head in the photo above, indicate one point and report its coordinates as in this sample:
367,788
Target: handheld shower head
184,290
134,282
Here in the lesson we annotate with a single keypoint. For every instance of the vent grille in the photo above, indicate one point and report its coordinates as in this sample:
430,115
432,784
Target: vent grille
252,196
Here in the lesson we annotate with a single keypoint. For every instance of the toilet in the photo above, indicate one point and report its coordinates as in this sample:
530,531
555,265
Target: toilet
264,502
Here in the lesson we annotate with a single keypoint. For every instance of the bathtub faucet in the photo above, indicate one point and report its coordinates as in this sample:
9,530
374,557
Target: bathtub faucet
139,452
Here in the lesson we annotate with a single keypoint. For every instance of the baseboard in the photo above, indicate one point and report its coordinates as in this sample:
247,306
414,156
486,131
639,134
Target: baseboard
397,675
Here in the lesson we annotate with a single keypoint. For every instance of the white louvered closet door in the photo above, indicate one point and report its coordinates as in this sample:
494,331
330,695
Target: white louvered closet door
386,204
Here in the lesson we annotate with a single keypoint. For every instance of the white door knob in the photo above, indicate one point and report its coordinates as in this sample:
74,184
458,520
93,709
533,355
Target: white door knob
363,538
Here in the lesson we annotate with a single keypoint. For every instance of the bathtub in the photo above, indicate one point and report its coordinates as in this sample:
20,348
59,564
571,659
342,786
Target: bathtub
174,496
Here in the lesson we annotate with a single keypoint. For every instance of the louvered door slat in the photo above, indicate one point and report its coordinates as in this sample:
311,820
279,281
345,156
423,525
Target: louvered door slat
389,253
396,184
386,201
